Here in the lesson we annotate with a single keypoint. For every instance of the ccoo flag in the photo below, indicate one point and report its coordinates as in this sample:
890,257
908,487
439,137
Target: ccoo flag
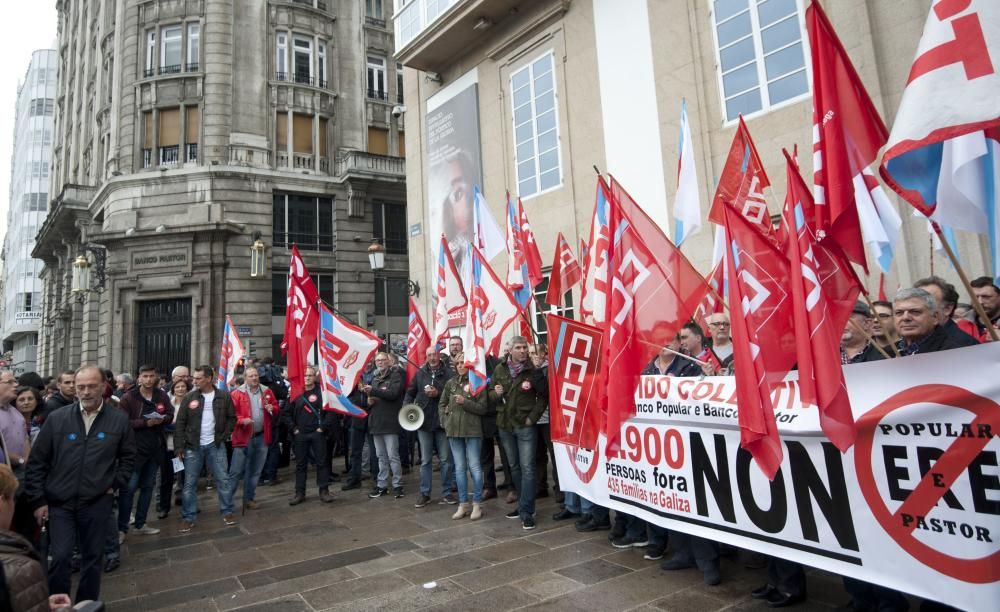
340,363
230,355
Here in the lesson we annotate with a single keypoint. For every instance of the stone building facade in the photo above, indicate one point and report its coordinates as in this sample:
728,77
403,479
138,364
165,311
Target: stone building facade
562,86
27,207
185,130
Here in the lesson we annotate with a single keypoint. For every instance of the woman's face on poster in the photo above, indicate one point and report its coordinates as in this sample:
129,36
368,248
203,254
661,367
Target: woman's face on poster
459,199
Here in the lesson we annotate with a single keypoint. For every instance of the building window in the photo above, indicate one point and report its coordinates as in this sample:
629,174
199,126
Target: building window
399,83
373,9
281,59
304,220
378,141
390,227
376,78
540,292
279,291
170,136
35,202
147,139
321,65
536,134
191,126
150,52
41,106
193,47
392,298
302,60
170,50
761,57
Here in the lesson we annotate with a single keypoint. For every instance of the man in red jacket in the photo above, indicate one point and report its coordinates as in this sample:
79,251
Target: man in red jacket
254,405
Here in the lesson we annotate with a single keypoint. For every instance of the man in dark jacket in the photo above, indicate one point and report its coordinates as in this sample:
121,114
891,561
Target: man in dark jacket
309,424
83,453
946,297
149,410
385,398
915,313
425,390
358,432
65,395
855,346
204,420
519,406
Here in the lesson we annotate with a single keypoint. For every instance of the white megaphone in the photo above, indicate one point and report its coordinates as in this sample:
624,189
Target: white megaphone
411,417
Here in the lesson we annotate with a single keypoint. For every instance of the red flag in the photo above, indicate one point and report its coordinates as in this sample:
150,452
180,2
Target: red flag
576,352
762,331
301,322
881,288
742,184
418,340
583,252
713,302
654,292
847,131
530,247
817,332
565,273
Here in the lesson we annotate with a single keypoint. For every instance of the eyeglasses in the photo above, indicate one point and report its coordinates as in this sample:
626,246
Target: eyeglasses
8,382
884,315
720,324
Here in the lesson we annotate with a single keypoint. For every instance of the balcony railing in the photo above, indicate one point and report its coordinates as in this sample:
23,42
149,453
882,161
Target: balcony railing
171,69
191,152
302,160
169,156
362,162
300,79
149,72
375,22
192,67
377,94
245,155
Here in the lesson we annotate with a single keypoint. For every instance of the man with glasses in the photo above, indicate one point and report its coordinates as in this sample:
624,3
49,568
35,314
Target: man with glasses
882,326
722,341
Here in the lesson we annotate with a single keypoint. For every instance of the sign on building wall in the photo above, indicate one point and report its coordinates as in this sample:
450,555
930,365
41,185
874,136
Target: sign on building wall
27,318
454,164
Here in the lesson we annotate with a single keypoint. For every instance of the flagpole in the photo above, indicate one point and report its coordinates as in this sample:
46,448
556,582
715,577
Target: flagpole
965,281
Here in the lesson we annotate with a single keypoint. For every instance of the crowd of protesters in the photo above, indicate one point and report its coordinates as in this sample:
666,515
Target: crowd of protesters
85,453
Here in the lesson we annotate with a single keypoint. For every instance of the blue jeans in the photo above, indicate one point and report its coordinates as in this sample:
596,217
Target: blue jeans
466,453
428,440
520,448
143,479
582,505
215,458
247,465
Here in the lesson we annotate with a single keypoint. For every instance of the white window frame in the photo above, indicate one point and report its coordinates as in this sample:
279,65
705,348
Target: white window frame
150,51
193,45
534,116
376,68
375,11
180,45
281,54
304,49
399,83
321,64
758,49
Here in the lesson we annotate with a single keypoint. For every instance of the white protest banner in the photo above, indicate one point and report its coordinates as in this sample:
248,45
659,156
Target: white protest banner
914,505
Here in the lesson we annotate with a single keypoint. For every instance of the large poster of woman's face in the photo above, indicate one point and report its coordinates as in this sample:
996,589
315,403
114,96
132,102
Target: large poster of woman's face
454,169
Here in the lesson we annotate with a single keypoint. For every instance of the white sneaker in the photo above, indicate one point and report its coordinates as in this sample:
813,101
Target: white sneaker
147,530
121,538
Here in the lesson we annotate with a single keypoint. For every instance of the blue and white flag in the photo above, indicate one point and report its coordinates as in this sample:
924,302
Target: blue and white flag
231,353
687,202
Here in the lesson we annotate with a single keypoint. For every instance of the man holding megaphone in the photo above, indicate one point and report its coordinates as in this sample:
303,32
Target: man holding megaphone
425,391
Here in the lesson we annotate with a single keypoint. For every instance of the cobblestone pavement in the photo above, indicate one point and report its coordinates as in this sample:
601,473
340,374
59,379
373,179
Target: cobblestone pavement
384,554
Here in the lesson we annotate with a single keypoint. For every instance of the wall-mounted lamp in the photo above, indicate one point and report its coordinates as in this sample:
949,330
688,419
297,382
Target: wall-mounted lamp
258,252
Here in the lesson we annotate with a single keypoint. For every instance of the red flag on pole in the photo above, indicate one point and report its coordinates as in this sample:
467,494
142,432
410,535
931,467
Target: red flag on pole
418,340
565,273
881,288
531,255
301,322
762,332
576,354
817,331
655,291
847,131
742,184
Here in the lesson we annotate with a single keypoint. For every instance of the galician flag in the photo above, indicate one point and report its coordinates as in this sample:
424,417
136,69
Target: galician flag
687,204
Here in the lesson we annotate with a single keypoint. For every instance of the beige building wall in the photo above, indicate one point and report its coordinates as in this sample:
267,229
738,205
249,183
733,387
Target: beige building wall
880,37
